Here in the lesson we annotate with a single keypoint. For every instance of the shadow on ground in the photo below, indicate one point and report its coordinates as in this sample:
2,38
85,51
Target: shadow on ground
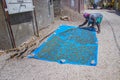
115,12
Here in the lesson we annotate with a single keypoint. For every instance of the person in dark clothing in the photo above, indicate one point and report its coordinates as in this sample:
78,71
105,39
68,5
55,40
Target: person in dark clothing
95,6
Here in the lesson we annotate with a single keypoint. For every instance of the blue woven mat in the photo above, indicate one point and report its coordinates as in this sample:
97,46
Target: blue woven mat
70,44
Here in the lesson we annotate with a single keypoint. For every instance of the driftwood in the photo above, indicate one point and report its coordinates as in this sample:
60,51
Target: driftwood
26,48
18,52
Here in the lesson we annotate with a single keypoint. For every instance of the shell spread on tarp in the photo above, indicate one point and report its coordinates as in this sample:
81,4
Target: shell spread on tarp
70,45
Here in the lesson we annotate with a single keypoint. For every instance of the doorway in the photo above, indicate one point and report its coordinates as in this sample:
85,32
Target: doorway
56,5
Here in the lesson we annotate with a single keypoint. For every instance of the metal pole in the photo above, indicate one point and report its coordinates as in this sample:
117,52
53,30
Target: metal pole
4,6
35,21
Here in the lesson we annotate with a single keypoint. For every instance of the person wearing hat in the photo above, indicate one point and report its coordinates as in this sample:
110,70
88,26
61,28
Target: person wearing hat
93,19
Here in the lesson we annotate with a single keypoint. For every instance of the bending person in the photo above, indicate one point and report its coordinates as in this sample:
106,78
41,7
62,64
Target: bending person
93,19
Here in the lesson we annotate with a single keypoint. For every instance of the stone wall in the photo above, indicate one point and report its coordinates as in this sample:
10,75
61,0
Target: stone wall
5,42
57,7
44,12
23,24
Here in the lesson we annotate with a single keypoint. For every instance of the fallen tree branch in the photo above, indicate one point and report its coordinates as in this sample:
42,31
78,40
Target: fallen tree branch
26,48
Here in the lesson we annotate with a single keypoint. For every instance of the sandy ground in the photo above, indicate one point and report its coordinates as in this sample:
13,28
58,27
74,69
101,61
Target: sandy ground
108,67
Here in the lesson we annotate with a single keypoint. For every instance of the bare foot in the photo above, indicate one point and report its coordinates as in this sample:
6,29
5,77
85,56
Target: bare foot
79,26
98,32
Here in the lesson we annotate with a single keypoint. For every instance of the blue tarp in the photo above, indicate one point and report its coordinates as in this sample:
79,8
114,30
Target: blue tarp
70,44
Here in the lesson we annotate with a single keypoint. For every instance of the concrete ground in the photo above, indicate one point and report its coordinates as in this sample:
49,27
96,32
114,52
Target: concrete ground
108,67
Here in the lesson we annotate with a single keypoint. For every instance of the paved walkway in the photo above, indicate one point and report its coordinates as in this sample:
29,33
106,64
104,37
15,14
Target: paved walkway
108,67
